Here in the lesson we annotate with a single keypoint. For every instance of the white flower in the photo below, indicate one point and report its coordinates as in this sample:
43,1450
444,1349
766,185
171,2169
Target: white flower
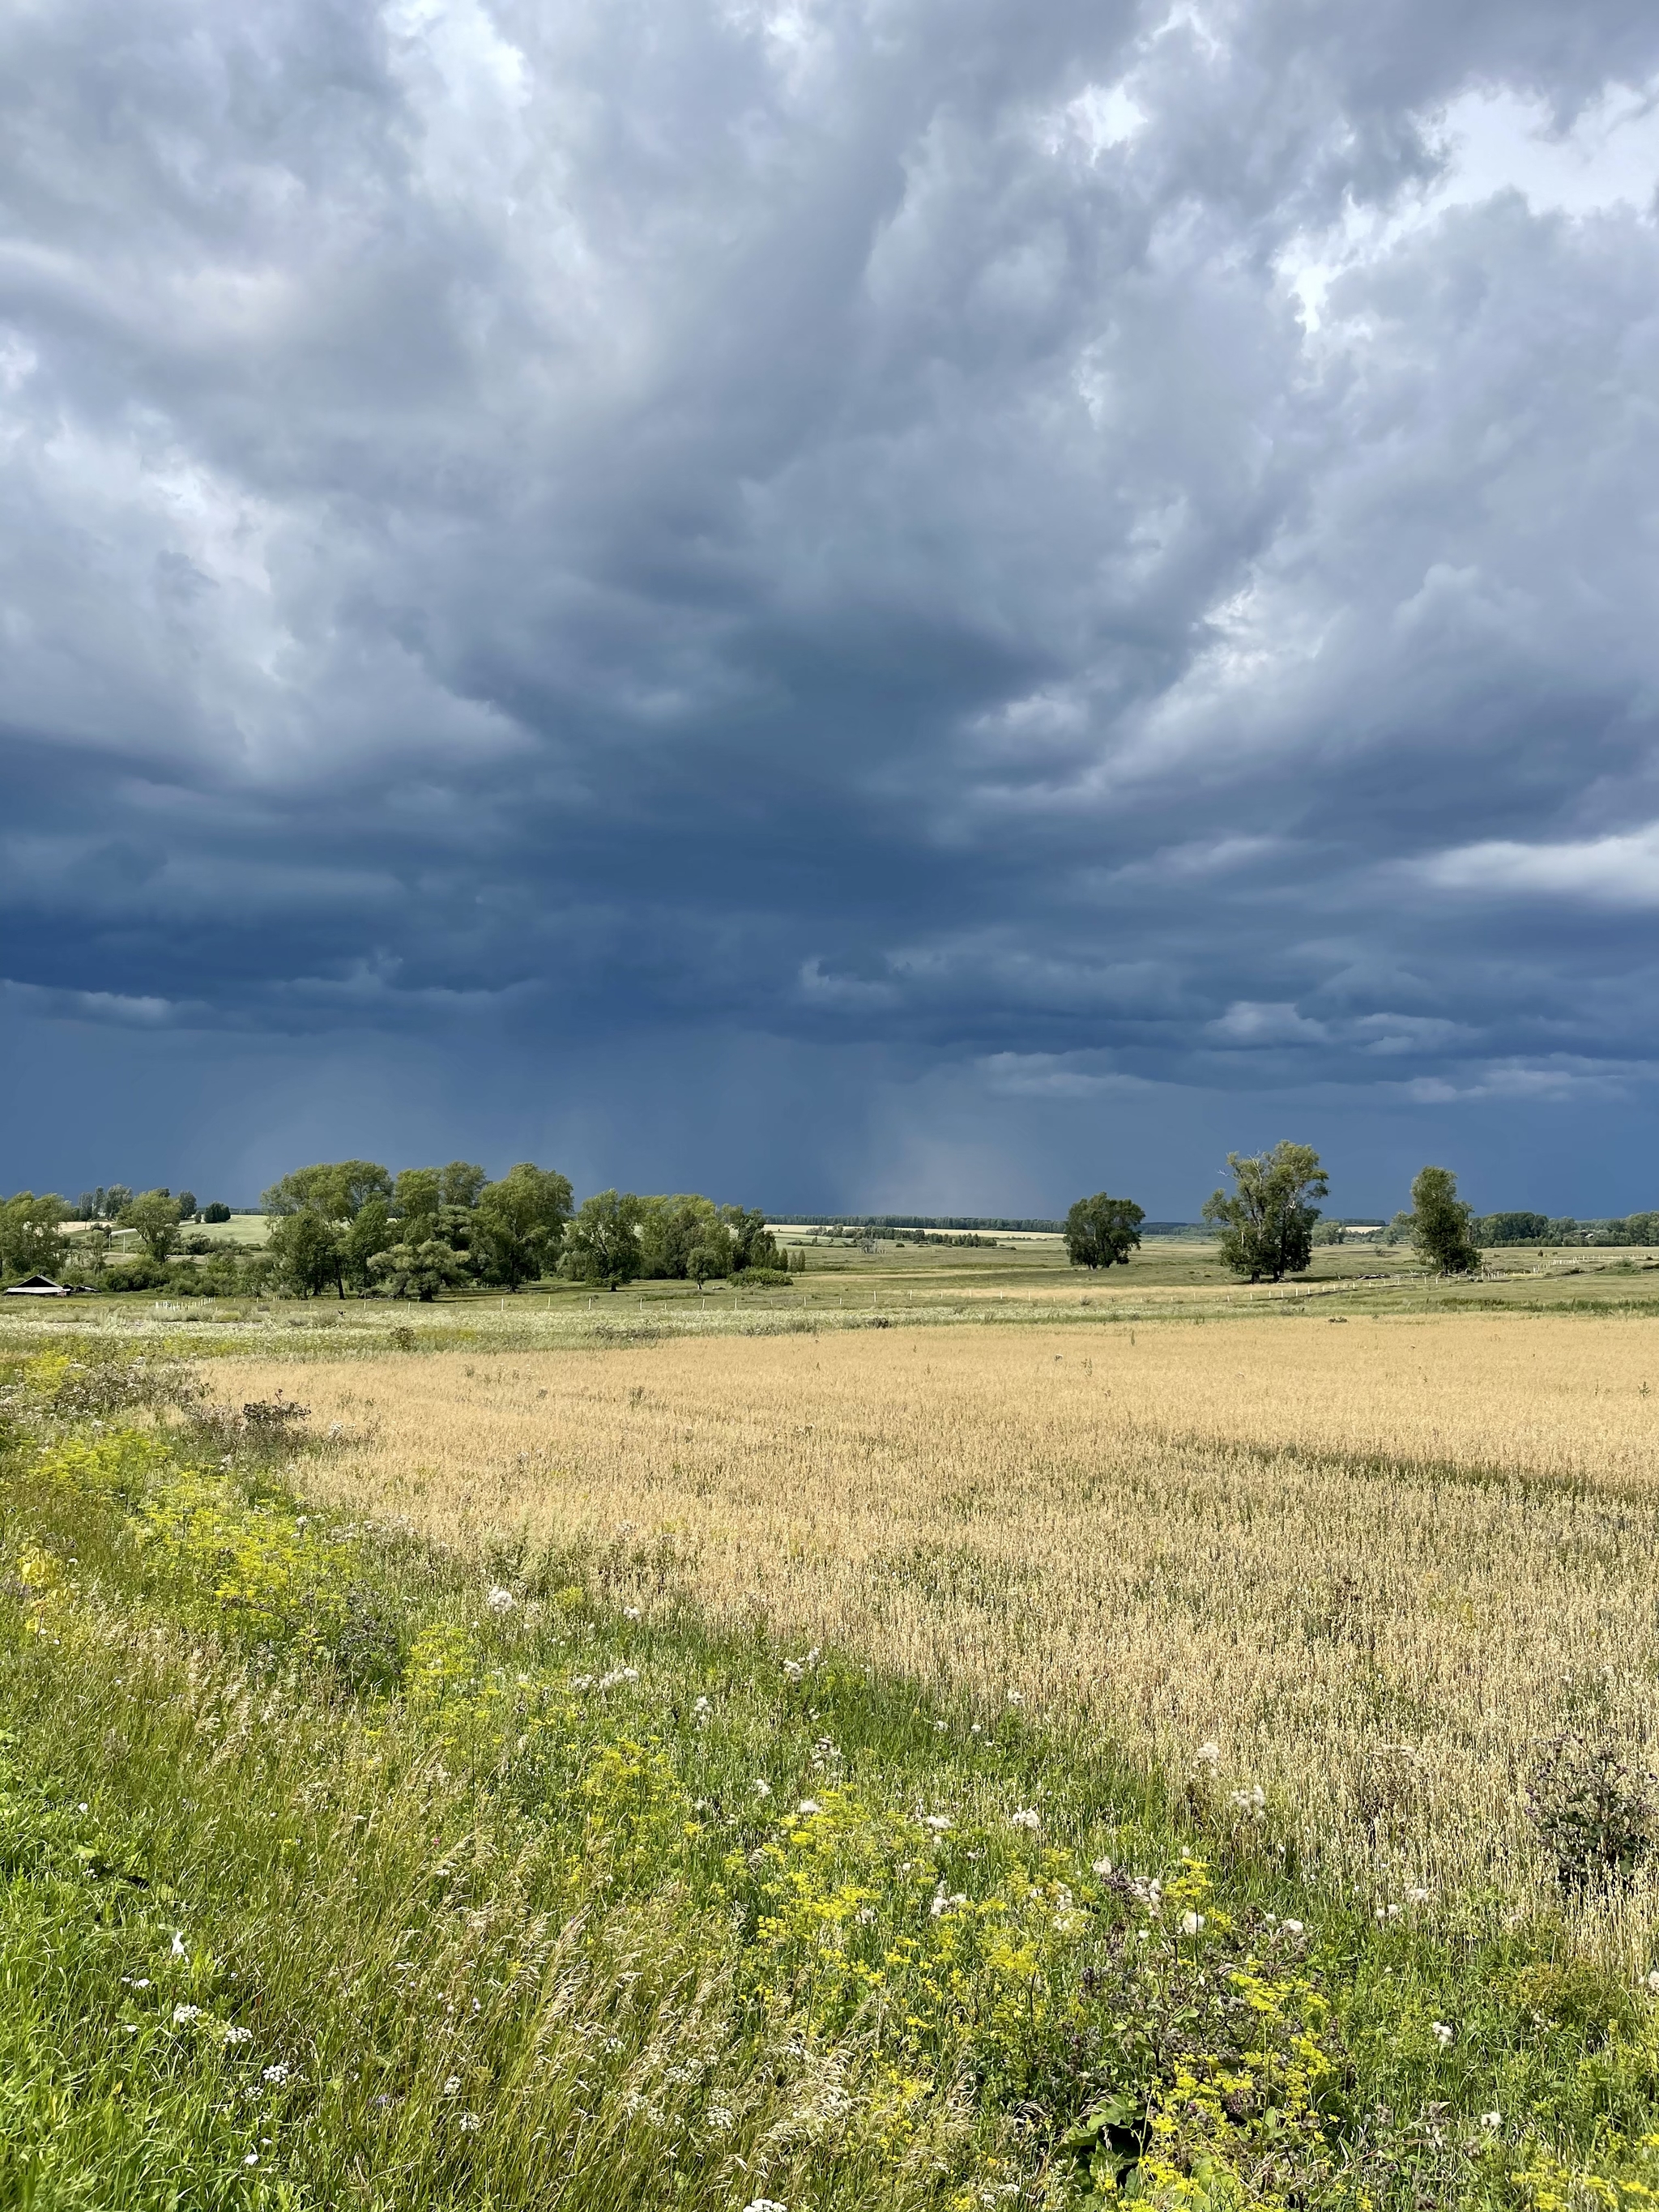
177,1950
1442,2034
582,1682
1016,1696
939,1727
1492,2119
763,1789
1653,1981
239,2035
1209,1755
630,1613
719,2118
183,2014
1102,1867
764,2205
500,1599
942,1904
470,2123
807,1808
253,2159
1191,1922
1417,1897
794,1669
1252,1802
451,2088
1027,1817
275,2075
1291,1927
939,1822
618,1674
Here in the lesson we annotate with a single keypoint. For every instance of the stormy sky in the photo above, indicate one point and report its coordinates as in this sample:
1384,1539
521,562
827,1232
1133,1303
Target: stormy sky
850,603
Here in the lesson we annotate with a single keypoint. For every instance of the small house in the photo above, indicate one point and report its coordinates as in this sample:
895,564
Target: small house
39,1286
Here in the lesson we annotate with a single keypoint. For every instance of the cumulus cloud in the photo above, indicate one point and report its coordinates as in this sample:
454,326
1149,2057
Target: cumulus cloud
999,533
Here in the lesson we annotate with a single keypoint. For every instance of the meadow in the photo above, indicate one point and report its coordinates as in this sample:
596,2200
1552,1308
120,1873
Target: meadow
616,1758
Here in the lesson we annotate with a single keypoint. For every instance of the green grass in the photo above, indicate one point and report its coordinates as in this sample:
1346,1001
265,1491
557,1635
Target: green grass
339,1872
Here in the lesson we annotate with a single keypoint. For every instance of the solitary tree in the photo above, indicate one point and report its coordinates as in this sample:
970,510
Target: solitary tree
1102,1231
1441,1224
1266,1220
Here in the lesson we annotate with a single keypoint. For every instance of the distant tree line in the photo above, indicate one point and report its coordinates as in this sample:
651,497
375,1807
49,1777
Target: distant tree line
351,1228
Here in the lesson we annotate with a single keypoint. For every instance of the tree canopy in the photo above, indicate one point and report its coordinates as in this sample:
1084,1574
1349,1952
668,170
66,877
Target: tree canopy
1102,1231
1266,1220
1442,1229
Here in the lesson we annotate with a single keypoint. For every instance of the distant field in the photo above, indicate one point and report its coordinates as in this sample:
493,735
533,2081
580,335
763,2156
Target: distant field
1376,1564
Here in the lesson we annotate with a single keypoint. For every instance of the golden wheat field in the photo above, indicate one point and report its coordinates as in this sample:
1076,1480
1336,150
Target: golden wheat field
1376,1563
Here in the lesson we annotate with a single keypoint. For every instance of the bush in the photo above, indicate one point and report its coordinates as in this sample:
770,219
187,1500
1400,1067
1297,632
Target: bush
1593,1813
138,1274
760,1279
216,1211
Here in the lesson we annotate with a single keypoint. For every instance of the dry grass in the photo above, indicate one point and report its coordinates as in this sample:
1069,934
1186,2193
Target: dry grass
1375,1563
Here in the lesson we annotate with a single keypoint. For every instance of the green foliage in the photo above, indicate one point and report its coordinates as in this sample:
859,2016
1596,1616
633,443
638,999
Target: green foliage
520,1227
603,1244
155,1218
306,1250
218,1211
418,1195
1265,1221
1102,1231
30,1235
416,1271
1441,1230
460,1183
337,1190
1594,1813
360,1243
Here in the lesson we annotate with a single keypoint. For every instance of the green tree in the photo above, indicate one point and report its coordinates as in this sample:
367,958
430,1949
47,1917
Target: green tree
520,1224
711,1260
752,1242
603,1244
186,1206
460,1183
155,1218
363,1239
418,1195
1102,1231
31,1242
337,1189
1266,1220
305,1249
1441,1224
671,1228
416,1271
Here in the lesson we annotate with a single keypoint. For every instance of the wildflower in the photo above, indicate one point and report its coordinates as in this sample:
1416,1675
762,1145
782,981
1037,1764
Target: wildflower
177,1950
720,2119
253,2159
451,2088
764,2205
1653,1981
500,1599
235,2035
618,1674
807,1808
276,2076
470,2123
939,1727
942,1904
1252,1801
1016,1696
1417,1897
763,1789
1207,1755
1442,2034
1292,1927
630,1613
1102,1867
1027,1817
1191,1922
1492,2119
700,1712
183,2014
939,1822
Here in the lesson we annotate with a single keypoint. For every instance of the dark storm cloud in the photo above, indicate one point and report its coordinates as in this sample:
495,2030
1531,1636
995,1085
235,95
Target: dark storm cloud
1065,548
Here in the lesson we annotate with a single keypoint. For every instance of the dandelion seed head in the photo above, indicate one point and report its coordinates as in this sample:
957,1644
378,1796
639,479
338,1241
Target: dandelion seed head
1026,1817
500,1599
